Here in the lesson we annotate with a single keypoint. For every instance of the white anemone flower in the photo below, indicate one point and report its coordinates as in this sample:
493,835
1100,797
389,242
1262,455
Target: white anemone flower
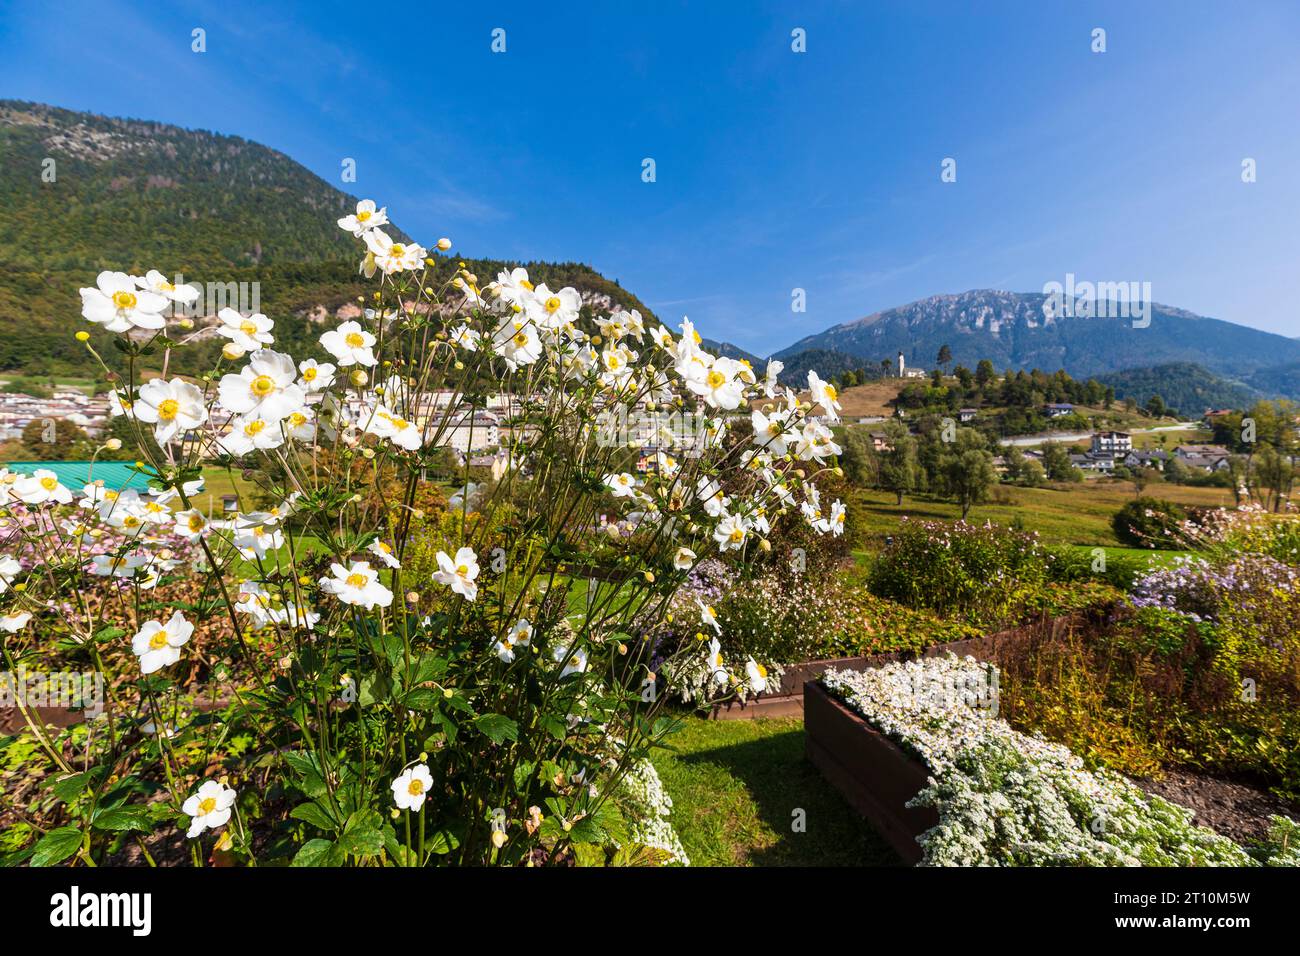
717,669
824,394
708,616
118,304
458,573
247,334
384,552
173,408
157,283
731,533
9,569
623,485
393,256
159,645
683,559
517,342
836,519
251,432
41,487
190,525
266,385
412,787
13,623
513,287
316,376
577,662
350,344
756,676
366,217
554,310
209,807
358,585
402,432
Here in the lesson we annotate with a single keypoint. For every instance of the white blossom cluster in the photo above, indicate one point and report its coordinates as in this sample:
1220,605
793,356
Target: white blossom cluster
1008,799
650,808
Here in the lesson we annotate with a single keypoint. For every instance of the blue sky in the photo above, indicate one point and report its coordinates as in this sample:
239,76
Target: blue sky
774,170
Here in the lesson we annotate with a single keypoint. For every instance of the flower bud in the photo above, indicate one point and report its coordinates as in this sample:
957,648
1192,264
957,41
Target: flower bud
444,243
113,444
231,351
186,324
83,336
358,378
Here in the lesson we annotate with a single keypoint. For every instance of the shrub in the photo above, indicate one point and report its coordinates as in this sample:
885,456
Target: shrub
983,573
1149,523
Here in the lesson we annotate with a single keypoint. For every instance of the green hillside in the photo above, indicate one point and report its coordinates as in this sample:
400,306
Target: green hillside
133,195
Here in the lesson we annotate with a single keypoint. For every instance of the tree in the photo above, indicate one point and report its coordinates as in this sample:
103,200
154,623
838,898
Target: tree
964,376
1014,460
968,472
945,355
984,373
1057,464
897,463
1156,406
55,439
858,457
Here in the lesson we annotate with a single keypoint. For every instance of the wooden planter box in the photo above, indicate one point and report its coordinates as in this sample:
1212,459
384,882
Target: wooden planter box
875,775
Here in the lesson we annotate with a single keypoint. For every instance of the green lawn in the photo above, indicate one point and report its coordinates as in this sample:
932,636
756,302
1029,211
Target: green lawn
1061,514
736,786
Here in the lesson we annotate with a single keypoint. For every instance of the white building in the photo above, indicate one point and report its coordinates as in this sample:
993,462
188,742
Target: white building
1113,444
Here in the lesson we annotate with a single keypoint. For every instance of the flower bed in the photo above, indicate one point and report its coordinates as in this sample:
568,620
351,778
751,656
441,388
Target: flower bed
1004,798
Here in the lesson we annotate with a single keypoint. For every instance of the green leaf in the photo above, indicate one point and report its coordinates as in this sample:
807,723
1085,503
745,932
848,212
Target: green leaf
363,835
315,814
318,853
123,818
69,788
422,698
56,846
499,727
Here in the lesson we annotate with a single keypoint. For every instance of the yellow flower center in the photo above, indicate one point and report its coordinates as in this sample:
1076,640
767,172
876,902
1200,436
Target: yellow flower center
253,427
309,374
356,581
158,640
124,300
831,393
196,522
738,535
383,547
363,216
462,570
130,521
297,419
415,787
762,671
397,250
526,284
717,380
207,805
521,339
248,327
263,385
553,303
354,340
168,408
49,483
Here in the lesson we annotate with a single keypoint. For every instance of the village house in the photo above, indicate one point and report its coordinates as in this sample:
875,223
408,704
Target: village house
1112,443
1058,409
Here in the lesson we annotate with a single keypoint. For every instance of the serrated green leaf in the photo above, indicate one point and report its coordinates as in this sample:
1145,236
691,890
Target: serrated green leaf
498,727
56,846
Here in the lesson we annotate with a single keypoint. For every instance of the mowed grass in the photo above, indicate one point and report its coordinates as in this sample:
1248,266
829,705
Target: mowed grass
1061,514
736,787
